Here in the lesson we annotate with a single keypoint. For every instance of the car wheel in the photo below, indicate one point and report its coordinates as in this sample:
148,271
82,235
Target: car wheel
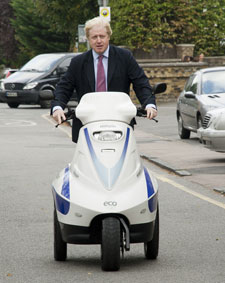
151,248
183,133
13,104
45,104
199,122
110,246
199,125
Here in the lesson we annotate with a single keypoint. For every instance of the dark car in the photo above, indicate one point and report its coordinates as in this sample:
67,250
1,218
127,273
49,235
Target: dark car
203,91
41,73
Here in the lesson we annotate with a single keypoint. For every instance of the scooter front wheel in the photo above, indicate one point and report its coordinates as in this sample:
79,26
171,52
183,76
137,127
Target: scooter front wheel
151,248
60,247
110,246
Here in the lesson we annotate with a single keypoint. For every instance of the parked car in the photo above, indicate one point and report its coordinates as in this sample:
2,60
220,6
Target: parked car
212,132
5,74
41,73
203,91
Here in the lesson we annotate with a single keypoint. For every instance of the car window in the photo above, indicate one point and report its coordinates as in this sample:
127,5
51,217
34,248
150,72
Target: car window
194,85
213,82
188,83
41,63
65,63
191,84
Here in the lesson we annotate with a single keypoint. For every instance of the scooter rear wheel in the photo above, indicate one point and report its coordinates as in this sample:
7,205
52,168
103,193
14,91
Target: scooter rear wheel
110,246
60,247
151,248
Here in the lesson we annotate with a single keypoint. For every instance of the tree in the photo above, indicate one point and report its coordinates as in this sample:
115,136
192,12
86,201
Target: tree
66,15
136,24
146,24
34,33
8,45
211,28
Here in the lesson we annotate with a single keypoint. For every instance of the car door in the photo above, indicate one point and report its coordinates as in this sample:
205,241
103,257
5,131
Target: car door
59,70
62,68
182,101
190,103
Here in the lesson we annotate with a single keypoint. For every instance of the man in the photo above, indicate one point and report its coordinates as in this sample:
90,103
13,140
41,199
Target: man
90,72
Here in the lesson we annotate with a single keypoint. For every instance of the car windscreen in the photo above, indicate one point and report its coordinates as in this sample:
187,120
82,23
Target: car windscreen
213,82
41,63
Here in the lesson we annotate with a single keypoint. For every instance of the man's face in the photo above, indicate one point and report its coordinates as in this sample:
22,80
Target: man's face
98,39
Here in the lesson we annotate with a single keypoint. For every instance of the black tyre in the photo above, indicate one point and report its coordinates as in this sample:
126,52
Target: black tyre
199,122
110,247
45,104
183,133
199,125
60,247
151,248
13,104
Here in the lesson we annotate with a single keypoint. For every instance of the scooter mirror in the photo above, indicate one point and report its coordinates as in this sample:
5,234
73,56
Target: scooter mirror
159,88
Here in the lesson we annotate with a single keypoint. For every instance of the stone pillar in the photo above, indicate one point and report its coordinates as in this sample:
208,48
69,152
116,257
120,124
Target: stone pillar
184,50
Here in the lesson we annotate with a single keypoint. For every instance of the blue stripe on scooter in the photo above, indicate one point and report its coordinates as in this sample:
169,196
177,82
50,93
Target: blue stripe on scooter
115,171
66,184
62,205
101,169
107,175
152,200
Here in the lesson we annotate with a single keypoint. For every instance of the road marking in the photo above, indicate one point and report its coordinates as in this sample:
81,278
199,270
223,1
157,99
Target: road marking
183,188
16,123
61,128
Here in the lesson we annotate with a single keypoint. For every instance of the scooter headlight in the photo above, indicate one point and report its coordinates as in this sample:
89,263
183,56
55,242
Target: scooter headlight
107,135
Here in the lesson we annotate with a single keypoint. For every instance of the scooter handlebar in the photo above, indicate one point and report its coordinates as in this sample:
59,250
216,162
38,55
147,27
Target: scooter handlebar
70,114
143,113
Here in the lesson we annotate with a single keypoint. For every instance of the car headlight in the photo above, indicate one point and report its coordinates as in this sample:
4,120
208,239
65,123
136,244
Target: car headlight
107,135
2,86
211,123
30,85
219,123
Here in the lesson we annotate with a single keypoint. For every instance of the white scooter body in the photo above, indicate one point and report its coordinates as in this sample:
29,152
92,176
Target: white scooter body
106,176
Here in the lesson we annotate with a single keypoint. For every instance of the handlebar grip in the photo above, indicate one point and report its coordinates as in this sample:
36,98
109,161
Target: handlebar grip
143,113
70,114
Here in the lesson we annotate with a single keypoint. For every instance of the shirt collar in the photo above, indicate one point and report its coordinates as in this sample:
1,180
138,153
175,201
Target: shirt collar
105,54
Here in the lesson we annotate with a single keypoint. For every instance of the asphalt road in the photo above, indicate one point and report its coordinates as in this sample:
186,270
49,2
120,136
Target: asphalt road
33,151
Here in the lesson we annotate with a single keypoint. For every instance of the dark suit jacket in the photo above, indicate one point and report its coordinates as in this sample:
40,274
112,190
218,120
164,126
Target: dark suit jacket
122,71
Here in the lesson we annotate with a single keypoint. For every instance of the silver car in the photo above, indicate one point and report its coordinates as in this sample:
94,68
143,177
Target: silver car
203,91
212,133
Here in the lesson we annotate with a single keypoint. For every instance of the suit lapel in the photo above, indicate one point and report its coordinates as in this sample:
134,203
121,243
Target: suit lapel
111,65
90,71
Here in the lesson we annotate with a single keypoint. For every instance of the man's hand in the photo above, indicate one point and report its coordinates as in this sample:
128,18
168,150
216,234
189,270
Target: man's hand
59,116
151,112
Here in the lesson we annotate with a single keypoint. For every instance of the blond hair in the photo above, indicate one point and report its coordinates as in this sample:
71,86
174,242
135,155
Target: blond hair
97,21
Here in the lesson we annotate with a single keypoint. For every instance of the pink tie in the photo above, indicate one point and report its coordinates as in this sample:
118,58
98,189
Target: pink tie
101,86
